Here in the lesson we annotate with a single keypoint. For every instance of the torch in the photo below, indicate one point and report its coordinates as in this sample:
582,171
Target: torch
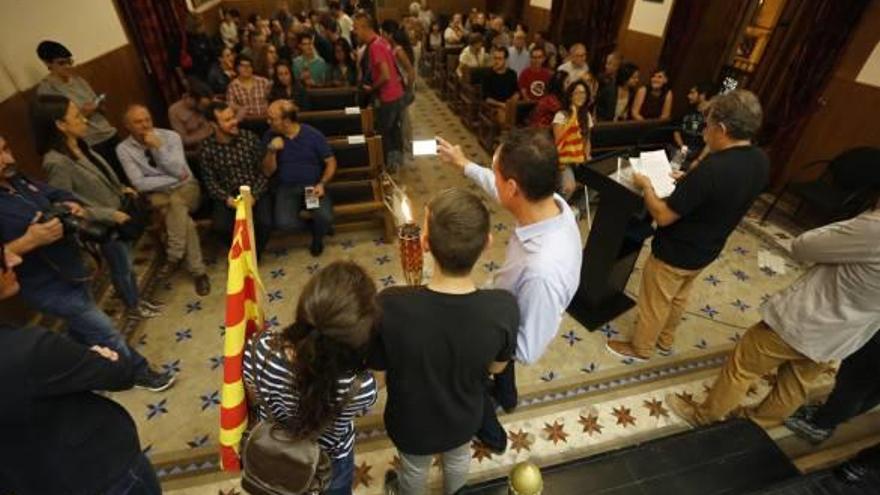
408,237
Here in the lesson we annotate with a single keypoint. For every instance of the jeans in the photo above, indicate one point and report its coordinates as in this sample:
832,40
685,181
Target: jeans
856,390
389,118
86,323
223,221
290,201
414,470
117,254
140,479
342,477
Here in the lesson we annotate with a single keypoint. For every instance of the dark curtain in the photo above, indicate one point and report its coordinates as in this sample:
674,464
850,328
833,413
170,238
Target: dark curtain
595,23
684,23
801,56
158,28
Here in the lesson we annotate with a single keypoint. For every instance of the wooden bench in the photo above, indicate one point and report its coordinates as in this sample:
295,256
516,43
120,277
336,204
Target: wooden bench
333,123
470,96
331,98
358,160
489,132
358,205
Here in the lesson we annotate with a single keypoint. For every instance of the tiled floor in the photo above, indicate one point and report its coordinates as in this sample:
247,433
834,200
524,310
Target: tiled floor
188,337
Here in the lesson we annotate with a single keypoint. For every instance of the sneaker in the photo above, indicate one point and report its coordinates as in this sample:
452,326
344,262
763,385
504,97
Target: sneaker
152,305
663,351
683,409
317,246
851,472
203,285
141,313
806,412
624,350
805,429
392,487
154,381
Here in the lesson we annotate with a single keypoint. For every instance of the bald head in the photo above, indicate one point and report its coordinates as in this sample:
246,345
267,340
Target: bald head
138,121
578,54
281,115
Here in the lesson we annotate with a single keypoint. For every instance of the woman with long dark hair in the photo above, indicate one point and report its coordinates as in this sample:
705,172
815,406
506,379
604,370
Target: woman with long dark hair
627,81
571,130
285,86
654,100
73,166
343,71
222,71
312,375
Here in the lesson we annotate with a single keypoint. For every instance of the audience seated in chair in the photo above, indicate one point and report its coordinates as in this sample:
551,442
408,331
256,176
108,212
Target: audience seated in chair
653,101
550,103
222,72
454,35
61,80
627,82
473,55
249,94
576,66
286,87
264,63
500,85
519,56
309,68
690,131
534,78
230,158
540,40
187,117
571,130
606,96
300,158
343,71
155,162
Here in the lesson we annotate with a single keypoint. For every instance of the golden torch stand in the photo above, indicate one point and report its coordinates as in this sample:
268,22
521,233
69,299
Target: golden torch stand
411,256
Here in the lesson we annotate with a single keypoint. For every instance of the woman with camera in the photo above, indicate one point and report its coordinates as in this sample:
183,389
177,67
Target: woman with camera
73,166
311,377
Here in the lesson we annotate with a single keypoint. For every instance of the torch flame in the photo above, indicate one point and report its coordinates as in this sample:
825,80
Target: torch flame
405,210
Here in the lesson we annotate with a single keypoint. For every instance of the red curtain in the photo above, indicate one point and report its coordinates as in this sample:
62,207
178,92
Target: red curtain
158,28
801,56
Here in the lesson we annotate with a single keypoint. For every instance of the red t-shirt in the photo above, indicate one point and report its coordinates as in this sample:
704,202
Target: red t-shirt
545,110
380,51
534,82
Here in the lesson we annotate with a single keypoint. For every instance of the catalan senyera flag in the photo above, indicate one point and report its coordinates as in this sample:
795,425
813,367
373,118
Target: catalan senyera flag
244,318
570,144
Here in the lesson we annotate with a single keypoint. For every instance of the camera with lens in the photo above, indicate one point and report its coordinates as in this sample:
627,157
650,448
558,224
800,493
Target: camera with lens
80,228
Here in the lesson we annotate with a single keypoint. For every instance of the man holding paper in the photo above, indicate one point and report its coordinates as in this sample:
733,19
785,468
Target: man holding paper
695,220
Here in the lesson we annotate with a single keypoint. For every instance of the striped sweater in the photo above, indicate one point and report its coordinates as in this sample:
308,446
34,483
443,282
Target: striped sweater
276,388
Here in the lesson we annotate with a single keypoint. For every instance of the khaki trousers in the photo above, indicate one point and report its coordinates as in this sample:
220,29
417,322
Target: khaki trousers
760,351
662,298
183,237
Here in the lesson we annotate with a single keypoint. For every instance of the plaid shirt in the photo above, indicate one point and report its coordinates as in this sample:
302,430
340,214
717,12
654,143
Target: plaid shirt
252,100
226,166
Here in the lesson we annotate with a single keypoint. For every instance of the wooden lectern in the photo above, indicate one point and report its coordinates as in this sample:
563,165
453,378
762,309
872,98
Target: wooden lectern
613,245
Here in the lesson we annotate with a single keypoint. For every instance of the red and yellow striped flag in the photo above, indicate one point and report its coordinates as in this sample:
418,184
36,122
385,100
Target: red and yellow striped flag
244,318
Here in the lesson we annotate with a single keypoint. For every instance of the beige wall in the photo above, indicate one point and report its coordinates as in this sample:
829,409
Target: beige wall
89,28
650,17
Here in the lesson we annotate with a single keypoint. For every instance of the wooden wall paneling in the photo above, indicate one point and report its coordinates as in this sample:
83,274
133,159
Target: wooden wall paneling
846,119
641,49
536,19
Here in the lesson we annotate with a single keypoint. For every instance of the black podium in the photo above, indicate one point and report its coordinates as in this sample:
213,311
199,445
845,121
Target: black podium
612,247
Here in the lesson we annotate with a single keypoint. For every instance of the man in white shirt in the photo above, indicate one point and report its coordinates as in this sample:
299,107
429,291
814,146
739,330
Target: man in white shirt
543,261
519,56
454,34
473,55
576,66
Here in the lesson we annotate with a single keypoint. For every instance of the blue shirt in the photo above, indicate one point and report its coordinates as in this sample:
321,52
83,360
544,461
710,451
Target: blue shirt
541,269
301,161
167,167
35,274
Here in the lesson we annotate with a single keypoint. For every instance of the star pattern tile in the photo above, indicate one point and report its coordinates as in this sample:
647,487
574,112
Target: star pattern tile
556,432
362,476
519,441
480,451
655,408
624,416
590,424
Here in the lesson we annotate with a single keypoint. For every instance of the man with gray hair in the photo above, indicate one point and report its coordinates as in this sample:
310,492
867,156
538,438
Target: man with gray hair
693,223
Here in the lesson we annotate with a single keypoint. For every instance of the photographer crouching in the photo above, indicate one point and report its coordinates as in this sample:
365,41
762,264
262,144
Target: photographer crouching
42,224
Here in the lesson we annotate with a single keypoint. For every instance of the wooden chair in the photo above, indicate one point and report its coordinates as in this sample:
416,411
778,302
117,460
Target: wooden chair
470,96
332,98
339,122
357,161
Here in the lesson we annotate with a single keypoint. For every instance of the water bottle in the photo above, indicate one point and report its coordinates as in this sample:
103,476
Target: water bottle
678,158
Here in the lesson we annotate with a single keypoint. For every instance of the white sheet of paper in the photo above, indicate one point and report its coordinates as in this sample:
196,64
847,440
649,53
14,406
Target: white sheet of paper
771,261
656,167
352,110
424,147
358,139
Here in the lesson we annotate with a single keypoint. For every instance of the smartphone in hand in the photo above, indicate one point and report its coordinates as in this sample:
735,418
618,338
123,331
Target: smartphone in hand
312,200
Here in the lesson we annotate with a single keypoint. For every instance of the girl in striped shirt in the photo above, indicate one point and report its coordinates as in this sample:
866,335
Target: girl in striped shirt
312,374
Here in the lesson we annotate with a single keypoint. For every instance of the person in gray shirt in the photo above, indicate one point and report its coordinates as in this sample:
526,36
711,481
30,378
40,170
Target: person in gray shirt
63,81
826,315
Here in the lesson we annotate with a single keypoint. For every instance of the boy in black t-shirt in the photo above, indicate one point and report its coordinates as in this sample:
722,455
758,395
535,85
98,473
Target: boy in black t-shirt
500,84
438,343
692,124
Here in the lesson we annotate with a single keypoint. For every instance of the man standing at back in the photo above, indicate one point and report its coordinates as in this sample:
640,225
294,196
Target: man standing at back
382,80
695,221
438,342
543,261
